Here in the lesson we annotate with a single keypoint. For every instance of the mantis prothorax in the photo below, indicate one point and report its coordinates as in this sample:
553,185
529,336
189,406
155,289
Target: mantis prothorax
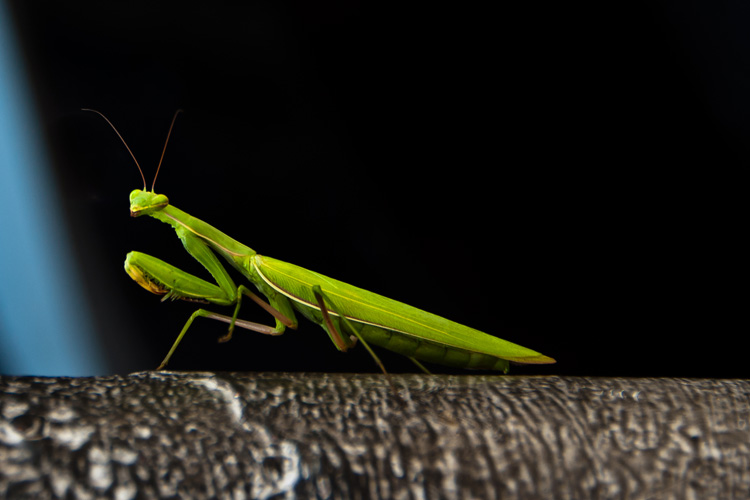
345,312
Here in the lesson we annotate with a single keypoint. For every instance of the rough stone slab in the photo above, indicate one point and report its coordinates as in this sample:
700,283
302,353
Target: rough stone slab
300,435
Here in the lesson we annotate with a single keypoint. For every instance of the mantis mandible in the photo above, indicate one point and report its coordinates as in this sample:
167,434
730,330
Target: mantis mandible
345,312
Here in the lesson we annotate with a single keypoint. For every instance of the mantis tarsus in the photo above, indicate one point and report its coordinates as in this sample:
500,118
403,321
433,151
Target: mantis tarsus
345,312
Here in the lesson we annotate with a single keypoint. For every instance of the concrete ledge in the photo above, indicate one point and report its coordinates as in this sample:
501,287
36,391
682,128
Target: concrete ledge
287,435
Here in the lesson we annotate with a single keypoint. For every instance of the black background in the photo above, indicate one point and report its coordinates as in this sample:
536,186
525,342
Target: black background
562,177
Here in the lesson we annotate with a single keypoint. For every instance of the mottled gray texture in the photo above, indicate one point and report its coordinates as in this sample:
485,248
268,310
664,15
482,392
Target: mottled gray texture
279,435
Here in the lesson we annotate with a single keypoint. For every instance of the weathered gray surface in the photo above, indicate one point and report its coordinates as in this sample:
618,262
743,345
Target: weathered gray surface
196,435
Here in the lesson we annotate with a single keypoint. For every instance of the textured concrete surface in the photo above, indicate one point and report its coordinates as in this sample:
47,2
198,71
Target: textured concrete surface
300,435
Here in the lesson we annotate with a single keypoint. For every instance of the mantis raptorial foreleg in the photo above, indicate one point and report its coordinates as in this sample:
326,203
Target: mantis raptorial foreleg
159,277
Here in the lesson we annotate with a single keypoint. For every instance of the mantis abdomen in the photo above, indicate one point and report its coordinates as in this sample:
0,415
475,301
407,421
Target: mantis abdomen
432,352
390,324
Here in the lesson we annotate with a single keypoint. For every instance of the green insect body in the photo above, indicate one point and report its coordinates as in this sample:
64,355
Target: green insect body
345,312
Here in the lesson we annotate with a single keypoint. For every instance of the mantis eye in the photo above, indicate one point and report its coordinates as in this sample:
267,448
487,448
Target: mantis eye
159,201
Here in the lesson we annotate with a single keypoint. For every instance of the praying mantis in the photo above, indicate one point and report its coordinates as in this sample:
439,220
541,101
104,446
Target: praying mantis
347,314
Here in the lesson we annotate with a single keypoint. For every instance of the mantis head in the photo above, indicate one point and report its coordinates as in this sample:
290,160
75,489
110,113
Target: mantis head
144,202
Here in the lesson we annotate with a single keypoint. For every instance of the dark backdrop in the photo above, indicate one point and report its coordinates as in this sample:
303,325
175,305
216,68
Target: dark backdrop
558,176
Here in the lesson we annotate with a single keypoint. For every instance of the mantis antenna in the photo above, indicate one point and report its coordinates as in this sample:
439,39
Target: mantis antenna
165,148
131,153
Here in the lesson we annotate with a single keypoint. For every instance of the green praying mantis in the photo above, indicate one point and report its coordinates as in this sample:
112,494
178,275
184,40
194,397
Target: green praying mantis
348,314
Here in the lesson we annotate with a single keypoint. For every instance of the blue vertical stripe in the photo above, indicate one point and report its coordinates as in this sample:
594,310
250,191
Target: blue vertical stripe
45,325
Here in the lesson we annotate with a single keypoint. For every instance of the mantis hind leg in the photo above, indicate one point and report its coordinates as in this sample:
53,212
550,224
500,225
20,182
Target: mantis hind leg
341,342
420,365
